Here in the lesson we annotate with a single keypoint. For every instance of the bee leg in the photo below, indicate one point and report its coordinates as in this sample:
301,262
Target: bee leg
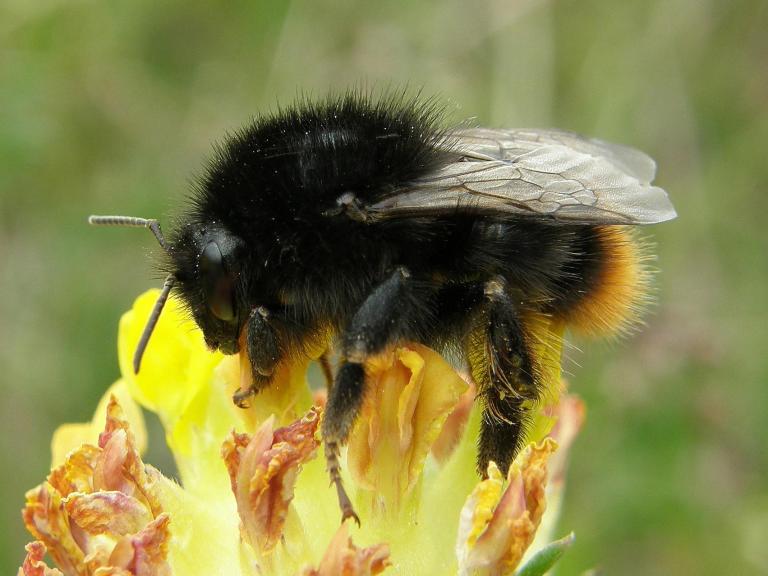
505,376
263,349
241,397
343,405
382,319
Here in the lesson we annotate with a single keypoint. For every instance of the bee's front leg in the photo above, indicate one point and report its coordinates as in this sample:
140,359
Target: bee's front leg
264,352
391,312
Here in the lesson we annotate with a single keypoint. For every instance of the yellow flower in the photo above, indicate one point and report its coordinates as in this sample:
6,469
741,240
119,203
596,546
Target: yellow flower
253,496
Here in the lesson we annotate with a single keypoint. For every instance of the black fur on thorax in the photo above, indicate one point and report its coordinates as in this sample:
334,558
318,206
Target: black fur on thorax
269,183
279,173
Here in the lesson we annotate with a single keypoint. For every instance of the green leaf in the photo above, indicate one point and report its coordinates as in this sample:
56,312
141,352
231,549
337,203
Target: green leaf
545,558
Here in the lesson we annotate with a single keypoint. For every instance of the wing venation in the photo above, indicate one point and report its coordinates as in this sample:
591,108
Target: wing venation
545,173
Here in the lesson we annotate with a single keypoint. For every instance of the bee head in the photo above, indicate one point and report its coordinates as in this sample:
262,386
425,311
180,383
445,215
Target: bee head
205,262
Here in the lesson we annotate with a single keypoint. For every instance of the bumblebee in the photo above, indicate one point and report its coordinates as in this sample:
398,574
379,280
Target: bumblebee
366,219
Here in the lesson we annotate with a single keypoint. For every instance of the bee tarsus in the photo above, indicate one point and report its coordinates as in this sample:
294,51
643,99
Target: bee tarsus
334,472
241,398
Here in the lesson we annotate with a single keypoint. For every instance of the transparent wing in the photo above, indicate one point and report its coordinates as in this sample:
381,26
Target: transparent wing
544,173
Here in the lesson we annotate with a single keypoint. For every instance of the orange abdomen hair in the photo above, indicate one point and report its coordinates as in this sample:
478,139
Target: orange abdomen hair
619,290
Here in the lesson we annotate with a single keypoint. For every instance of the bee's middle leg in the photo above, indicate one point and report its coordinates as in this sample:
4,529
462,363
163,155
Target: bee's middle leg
387,315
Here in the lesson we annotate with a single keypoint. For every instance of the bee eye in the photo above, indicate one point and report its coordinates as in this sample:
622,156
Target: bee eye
217,283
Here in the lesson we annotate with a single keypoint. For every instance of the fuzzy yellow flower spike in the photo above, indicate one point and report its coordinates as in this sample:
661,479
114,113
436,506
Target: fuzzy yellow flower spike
253,497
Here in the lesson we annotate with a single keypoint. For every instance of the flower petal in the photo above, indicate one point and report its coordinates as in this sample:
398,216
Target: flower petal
98,499
76,472
205,536
69,437
497,527
454,427
411,392
287,397
34,565
109,512
120,466
343,558
568,416
176,363
263,470
46,520
144,553
191,390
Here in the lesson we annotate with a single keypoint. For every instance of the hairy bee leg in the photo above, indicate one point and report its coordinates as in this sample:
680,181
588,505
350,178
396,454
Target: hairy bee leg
501,431
506,379
263,347
382,319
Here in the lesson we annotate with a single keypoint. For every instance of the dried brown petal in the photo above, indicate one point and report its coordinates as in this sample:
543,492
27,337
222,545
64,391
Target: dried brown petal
46,520
495,531
34,565
144,553
263,471
100,506
107,512
343,558
411,392
454,426
570,414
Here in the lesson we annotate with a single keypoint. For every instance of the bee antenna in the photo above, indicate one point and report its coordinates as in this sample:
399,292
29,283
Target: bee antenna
133,222
152,322
154,227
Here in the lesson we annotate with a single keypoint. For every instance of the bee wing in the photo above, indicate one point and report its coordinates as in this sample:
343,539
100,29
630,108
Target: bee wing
544,173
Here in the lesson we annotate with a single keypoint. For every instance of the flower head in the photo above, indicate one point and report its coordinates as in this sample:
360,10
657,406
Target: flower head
100,510
254,497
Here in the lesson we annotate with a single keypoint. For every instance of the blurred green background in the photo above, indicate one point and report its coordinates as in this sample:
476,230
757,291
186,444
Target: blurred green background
110,107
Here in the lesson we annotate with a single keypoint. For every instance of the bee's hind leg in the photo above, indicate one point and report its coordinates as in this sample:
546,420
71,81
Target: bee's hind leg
503,367
388,314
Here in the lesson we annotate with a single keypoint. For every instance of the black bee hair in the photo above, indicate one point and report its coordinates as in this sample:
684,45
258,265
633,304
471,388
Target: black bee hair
350,141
